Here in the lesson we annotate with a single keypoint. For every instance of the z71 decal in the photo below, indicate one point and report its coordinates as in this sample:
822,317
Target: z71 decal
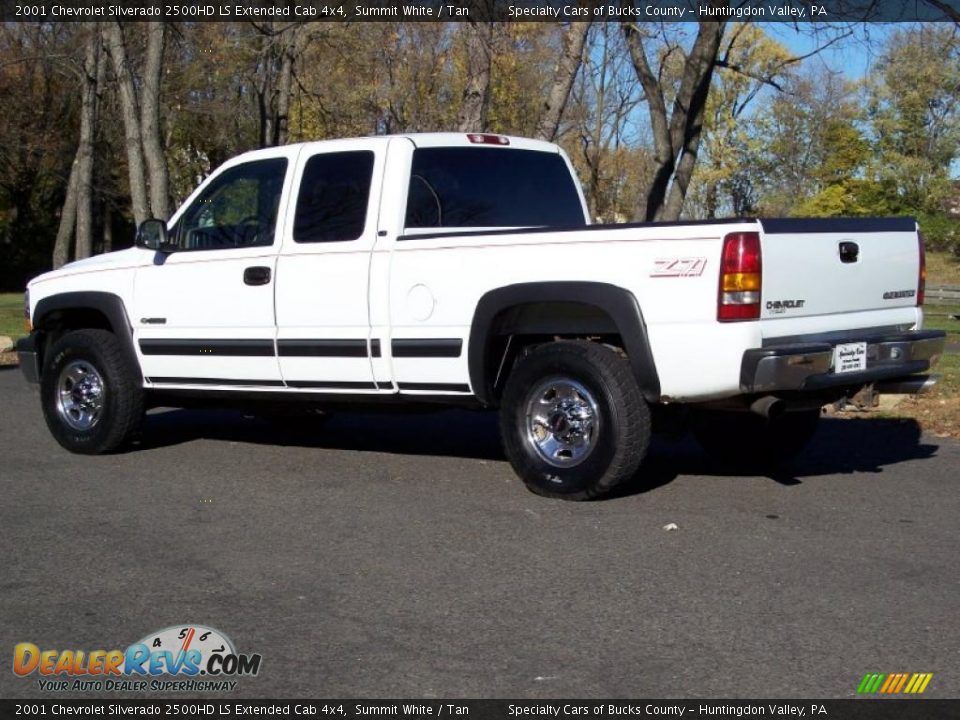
679,267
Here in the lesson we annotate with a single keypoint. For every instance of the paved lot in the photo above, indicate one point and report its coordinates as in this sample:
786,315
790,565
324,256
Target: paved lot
399,556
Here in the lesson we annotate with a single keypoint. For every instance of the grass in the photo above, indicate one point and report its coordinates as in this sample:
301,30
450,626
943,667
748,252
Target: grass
11,315
943,268
938,317
949,371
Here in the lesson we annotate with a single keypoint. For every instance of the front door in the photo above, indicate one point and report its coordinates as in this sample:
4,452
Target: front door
204,314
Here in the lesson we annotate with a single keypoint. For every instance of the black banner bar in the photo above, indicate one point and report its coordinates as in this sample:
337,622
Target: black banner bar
792,11
859,709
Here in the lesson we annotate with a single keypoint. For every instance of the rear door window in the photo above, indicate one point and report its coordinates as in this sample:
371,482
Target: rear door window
334,192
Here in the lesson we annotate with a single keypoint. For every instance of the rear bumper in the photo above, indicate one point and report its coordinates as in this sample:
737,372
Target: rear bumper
808,366
29,358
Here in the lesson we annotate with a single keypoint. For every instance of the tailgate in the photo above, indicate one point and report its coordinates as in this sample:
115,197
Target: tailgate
830,266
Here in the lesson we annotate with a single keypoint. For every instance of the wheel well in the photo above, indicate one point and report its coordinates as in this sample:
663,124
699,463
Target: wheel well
515,329
56,323
566,309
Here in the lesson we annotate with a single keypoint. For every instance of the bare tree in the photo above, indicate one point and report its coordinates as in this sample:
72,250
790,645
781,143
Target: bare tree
114,39
93,71
476,91
602,118
280,48
77,211
68,221
150,122
568,64
677,132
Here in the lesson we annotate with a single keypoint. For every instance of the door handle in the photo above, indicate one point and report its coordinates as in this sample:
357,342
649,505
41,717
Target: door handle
257,275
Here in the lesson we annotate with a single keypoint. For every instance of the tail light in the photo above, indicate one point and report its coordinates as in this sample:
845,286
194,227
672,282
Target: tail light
27,325
740,278
922,273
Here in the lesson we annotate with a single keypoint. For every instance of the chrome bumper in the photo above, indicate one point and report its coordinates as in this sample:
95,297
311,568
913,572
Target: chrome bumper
29,359
808,366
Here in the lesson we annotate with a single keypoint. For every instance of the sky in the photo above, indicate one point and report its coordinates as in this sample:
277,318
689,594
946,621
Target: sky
852,56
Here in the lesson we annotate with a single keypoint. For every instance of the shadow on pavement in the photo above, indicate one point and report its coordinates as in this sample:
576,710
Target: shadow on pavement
839,446
456,433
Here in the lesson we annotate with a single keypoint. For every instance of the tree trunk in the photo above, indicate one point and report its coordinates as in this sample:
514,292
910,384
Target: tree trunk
712,201
92,75
267,74
68,219
150,122
113,36
676,135
290,50
107,227
571,57
476,93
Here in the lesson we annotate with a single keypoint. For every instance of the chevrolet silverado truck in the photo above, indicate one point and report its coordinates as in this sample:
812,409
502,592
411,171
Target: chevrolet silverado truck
462,269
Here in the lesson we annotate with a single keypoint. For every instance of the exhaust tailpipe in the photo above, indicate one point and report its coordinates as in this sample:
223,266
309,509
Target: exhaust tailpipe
769,407
914,385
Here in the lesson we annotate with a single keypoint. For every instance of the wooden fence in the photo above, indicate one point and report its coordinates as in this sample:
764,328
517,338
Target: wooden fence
942,295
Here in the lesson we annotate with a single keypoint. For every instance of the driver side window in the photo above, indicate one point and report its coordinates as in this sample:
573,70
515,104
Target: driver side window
238,209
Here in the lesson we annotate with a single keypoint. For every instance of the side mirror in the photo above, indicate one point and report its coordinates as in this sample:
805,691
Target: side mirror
152,235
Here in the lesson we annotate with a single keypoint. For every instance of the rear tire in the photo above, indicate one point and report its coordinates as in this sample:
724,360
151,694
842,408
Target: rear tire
747,440
572,420
92,399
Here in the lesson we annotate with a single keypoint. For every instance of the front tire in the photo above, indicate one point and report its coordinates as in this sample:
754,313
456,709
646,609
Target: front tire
92,399
573,422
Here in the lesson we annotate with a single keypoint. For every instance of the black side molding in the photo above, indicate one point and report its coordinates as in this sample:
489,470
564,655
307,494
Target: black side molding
222,348
322,348
427,348
618,303
434,387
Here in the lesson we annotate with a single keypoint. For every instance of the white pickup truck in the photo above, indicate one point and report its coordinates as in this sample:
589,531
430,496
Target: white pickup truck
463,269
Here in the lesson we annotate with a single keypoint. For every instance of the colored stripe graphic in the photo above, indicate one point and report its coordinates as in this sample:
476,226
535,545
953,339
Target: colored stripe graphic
871,683
919,681
891,681
894,683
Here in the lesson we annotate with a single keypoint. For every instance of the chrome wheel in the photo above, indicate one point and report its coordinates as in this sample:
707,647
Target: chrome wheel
562,421
80,395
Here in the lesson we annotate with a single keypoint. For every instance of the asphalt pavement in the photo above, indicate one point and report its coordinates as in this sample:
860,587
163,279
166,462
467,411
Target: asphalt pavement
399,556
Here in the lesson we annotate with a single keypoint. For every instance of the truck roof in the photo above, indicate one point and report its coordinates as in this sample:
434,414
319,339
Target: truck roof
436,139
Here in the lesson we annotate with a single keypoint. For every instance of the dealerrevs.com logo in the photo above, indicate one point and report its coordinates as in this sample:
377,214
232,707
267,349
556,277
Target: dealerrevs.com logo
184,658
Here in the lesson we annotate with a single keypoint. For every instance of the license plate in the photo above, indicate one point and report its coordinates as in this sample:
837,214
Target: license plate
850,357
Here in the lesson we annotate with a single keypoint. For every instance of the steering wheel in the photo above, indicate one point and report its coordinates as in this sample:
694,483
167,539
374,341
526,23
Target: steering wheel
246,237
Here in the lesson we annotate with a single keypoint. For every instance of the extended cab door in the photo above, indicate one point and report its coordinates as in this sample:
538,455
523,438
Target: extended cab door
204,315
322,304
